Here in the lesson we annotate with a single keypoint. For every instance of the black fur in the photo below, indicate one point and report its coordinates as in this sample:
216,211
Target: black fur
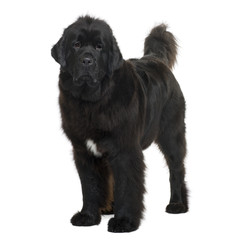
121,106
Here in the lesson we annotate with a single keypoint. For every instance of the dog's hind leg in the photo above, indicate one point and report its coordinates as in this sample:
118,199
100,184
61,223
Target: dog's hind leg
172,143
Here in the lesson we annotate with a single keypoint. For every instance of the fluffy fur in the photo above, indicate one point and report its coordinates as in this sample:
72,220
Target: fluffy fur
119,108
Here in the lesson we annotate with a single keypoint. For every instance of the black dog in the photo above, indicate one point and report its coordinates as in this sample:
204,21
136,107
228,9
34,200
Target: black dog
111,110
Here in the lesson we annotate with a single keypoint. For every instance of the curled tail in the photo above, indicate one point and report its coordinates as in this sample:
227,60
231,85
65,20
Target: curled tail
162,44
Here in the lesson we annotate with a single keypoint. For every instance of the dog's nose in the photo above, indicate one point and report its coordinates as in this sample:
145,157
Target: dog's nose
87,61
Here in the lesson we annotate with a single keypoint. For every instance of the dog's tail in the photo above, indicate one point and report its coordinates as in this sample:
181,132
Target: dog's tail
162,44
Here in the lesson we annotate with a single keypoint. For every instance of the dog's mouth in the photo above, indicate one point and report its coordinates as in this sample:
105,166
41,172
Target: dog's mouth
85,80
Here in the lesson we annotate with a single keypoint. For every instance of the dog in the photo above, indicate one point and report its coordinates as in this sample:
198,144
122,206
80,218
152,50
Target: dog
112,109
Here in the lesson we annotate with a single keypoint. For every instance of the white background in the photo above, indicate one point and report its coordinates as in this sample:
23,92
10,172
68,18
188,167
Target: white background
40,189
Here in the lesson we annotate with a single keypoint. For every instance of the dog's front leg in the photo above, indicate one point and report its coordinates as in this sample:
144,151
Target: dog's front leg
92,190
128,171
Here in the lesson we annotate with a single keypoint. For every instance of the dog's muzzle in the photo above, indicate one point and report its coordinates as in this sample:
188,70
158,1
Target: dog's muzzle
85,80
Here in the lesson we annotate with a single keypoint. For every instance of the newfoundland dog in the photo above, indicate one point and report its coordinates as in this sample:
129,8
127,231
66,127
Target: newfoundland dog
112,109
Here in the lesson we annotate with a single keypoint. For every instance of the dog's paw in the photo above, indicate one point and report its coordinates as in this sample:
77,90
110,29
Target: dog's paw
176,208
83,219
121,225
107,212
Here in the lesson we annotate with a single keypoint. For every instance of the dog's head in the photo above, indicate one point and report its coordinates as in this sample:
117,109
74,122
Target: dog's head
89,53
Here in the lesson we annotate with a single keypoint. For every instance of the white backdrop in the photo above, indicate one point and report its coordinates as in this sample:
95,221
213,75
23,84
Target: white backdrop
39,186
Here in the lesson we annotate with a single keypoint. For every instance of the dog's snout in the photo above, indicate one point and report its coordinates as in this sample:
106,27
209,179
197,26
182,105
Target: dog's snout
87,61
78,82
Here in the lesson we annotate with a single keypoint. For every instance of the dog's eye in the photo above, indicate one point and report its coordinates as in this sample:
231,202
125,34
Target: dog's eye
99,47
77,44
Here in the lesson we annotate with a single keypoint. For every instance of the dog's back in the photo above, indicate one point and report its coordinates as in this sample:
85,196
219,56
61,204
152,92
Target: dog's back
156,79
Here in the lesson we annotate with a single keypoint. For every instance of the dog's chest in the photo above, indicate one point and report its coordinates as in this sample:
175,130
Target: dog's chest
92,148
85,126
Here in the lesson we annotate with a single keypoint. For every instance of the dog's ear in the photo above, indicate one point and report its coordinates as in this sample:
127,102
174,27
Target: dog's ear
58,52
115,57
